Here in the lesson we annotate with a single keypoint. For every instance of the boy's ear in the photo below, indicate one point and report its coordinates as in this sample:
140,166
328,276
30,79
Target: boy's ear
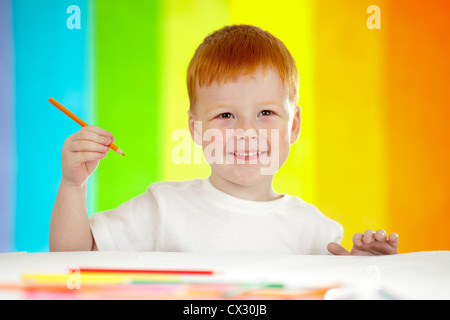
195,128
296,124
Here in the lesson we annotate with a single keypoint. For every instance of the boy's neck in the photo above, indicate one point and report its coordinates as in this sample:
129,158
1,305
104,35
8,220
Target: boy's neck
259,192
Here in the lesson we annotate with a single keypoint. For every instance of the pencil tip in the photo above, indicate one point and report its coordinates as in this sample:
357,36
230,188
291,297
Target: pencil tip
119,151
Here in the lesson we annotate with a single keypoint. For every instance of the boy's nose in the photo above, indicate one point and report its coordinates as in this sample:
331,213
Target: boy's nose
245,133
246,129
245,140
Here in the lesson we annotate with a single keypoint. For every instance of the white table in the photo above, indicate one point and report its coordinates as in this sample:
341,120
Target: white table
420,275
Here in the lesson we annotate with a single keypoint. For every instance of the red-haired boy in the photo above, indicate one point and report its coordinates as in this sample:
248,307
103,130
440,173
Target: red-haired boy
243,89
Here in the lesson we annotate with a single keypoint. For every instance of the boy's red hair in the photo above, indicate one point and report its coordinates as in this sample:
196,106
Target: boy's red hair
239,50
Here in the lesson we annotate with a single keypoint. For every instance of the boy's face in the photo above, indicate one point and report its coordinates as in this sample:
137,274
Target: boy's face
246,127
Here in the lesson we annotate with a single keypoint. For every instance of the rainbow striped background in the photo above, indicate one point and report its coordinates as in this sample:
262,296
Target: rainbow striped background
374,150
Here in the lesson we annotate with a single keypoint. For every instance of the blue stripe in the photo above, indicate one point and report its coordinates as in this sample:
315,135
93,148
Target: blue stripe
6,159
51,61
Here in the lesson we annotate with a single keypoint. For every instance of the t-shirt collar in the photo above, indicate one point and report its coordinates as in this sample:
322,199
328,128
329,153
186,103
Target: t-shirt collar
226,200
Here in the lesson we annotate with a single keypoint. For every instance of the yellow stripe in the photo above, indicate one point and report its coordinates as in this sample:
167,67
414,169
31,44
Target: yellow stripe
186,24
291,22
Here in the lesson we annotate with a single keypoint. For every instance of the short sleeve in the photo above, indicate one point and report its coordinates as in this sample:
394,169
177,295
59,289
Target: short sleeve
339,233
133,226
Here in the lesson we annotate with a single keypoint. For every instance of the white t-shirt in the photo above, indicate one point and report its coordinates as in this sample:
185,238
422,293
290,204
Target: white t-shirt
194,216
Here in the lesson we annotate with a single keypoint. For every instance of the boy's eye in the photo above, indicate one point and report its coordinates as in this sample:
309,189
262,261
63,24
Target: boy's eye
266,113
226,115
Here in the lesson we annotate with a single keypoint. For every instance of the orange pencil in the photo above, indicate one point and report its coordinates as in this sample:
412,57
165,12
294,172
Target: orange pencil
79,121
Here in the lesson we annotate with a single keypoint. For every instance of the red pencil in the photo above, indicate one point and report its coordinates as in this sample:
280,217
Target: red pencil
147,271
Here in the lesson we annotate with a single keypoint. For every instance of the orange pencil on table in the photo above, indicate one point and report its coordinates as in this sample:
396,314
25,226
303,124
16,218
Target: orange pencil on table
79,121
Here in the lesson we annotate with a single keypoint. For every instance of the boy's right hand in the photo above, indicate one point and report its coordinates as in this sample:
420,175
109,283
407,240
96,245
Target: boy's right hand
82,152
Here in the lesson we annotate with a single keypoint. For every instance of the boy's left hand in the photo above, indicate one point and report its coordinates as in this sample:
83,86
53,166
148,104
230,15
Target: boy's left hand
368,244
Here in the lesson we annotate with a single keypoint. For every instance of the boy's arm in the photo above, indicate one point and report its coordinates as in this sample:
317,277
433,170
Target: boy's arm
69,224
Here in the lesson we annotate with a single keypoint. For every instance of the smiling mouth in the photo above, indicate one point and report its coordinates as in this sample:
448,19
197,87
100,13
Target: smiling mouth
248,155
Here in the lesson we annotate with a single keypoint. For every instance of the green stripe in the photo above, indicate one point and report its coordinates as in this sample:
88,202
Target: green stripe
128,99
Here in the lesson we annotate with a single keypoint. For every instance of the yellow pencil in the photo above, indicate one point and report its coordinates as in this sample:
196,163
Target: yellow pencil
96,279
79,121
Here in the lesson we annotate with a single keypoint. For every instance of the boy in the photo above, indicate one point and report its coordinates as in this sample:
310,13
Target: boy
243,90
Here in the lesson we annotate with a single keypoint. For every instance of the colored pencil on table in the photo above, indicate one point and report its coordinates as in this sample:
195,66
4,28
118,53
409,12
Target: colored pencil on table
148,271
98,278
79,121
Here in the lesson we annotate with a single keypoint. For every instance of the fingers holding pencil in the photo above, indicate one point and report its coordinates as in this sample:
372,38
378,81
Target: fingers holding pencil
94,134
98,135
84,124
82,152
106,137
